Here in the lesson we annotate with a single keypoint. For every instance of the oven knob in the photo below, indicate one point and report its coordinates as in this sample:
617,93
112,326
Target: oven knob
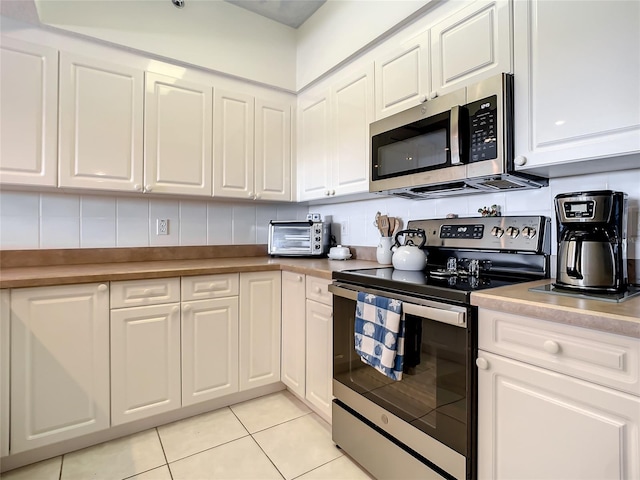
513,232
497,232
529,232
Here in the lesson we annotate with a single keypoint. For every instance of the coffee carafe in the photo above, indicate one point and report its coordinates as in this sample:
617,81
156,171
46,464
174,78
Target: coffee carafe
592,241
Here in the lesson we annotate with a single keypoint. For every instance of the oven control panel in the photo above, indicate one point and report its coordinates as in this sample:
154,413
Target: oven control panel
510,233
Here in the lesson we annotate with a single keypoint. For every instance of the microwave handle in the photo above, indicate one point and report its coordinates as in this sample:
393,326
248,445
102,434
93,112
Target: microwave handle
454,136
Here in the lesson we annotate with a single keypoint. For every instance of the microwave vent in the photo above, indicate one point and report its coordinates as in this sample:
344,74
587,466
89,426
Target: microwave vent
501,184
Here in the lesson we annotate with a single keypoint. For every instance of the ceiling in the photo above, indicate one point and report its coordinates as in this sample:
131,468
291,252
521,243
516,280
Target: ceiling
288,12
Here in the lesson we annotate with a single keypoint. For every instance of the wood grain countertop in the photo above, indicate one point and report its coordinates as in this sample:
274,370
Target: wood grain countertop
48,275
621,318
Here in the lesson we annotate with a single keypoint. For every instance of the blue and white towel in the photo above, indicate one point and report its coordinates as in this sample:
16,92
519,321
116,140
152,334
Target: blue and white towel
379,333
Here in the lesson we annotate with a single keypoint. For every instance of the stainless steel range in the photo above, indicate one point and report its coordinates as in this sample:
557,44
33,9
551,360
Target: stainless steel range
424,425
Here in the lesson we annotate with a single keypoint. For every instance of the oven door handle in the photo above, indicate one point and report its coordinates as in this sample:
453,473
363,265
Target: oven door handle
450,317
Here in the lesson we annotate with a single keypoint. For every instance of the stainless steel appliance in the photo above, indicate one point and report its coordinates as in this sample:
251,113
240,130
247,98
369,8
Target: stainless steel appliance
459,143
424,426
299,238
592,241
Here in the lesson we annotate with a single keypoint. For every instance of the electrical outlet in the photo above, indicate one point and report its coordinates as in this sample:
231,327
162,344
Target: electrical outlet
162,226
344,228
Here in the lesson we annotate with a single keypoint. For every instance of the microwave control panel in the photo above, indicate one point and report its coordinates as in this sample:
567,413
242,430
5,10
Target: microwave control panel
483,128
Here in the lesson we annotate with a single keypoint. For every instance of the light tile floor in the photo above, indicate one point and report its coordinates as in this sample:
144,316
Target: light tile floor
271,437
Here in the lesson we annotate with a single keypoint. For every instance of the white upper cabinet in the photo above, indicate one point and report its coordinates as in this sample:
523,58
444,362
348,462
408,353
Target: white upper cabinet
28,117
233,144
402,76
272,150
101,124
333,136
252,147
178,116
313,145
576,72
351,114
470,45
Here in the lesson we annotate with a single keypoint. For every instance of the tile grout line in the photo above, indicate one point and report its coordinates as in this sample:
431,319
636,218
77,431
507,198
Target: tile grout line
166,460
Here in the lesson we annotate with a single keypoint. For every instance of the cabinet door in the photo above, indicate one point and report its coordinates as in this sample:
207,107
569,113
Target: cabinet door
178,116
59,363
273,151
533,423
293,332
209,349
145,361
576,81
319,356
233,145
29,114
259,329
314,152
5,358
351,114
402,76
101,108
471,45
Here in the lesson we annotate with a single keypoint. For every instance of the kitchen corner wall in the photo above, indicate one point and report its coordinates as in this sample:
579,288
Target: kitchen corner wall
60,220
353,222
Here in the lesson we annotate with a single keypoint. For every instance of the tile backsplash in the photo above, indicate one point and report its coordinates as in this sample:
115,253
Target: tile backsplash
31,220
61,220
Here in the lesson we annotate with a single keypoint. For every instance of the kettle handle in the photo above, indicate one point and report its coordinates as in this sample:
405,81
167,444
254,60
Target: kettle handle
416,231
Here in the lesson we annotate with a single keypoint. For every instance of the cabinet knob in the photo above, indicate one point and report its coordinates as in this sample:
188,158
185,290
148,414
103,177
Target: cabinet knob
520,160
148,188
250,195
317,290
333,192
175,310
327,193
299,278
186,308
147,291
551,347
433,95
137,187
482,363
102,287
257,196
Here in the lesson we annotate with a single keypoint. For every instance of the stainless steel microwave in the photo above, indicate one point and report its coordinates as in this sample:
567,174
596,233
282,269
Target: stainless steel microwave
299,239
459,143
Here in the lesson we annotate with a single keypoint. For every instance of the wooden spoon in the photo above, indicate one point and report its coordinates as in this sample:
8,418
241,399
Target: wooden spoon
383,224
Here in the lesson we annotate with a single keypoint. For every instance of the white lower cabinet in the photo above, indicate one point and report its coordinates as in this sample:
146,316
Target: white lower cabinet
145,351
59,363
535,420
209,337
307,340
5,358
260,312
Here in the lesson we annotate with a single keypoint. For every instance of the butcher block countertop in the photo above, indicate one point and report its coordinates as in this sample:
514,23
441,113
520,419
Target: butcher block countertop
621,318
21,270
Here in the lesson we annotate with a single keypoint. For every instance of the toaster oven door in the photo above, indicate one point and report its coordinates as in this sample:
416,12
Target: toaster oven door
291,238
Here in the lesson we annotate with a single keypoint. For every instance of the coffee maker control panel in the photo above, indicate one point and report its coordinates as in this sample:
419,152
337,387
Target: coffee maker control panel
585,207
579,209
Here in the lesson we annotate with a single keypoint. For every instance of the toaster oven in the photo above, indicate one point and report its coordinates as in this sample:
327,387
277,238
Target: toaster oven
299,238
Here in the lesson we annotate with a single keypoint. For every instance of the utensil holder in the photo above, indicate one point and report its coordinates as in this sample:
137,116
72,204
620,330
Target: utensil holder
383,251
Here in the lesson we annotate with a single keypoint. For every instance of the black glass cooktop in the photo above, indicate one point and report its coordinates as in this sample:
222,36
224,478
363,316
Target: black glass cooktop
457,288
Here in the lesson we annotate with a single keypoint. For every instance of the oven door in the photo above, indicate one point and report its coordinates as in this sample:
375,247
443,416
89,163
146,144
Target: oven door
290,238
430,409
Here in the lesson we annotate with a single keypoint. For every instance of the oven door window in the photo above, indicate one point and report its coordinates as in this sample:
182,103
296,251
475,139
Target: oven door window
417,147
293,238
433,393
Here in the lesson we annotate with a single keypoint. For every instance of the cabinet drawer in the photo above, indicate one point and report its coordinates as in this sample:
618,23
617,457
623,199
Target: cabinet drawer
134,293
209,286
318,290
604,358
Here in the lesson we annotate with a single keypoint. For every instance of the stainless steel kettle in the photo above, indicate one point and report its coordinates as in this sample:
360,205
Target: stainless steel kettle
586,259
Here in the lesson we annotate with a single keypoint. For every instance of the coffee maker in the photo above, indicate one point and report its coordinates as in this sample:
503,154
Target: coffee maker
592,241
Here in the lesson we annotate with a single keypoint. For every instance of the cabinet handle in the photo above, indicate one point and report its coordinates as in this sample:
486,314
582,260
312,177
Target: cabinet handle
482,363
327,193
433,95
317,290
147,291
333,192
137,187
520,160
551,347
299,278
148,188
175,310
186,308
250,195
257,196
102,287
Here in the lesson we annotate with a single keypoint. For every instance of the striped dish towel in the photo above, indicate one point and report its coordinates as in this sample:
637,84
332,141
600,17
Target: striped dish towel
379,333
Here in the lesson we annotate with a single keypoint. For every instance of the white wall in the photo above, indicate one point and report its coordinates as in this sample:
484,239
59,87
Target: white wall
31,220
354,221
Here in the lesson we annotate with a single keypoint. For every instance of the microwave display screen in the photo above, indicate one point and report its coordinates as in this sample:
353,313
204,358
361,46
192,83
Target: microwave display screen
417,147
483,115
